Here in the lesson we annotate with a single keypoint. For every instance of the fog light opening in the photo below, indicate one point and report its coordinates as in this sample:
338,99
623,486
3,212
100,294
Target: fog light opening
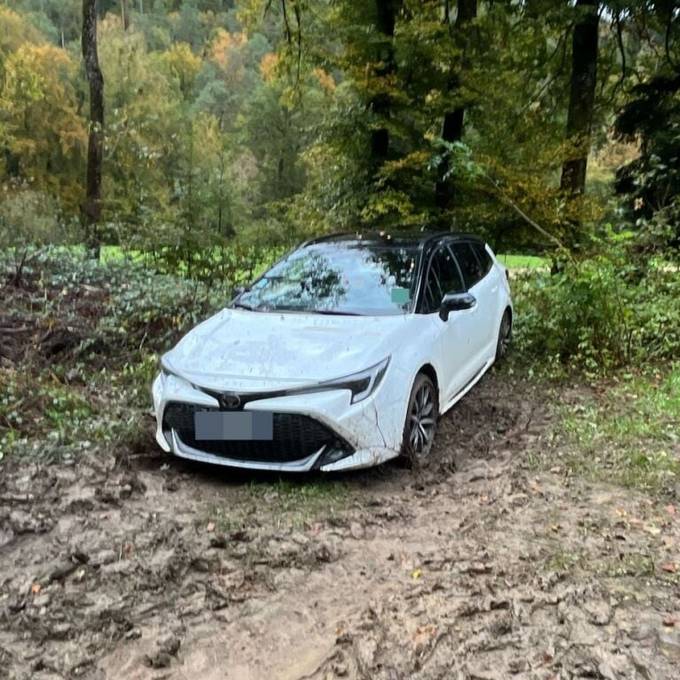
336,451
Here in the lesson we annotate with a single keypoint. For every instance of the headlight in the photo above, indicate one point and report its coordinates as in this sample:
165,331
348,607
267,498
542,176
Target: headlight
168,372
363,383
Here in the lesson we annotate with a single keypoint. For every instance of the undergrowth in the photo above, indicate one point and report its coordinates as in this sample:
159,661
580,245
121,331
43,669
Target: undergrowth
598,315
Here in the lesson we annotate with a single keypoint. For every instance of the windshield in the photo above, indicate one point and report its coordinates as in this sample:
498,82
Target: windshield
338,278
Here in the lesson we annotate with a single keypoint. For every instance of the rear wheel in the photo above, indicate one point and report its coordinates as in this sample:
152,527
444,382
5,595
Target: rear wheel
504,336
421,420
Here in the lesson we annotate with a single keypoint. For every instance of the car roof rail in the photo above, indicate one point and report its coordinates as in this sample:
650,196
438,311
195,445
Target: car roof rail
325,237
425,239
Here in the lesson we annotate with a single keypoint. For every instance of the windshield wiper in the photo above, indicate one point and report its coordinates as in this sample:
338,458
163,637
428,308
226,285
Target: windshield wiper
334,312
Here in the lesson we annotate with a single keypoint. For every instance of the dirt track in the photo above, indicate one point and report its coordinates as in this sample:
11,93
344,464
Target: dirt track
491,563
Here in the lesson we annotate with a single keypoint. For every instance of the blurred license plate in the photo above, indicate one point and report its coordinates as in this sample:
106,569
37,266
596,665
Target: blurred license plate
237,426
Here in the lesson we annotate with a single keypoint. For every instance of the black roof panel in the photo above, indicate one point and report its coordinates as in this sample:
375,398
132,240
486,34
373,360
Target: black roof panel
398,237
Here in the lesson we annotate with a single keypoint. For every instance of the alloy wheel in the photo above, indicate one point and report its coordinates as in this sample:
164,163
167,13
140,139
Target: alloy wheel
422,419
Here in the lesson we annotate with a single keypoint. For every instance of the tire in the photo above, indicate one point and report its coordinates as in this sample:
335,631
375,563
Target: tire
420,426
504,337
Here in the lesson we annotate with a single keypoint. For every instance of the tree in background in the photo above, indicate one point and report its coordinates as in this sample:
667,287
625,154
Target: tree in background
95,144
58,20
384,66
582,95
44,135
650,118
452,128
276,119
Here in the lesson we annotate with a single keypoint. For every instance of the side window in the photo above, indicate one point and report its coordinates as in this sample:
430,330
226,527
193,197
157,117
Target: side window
442,277
483,257
469,265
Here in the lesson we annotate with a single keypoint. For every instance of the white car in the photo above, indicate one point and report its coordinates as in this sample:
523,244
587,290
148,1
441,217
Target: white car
343,355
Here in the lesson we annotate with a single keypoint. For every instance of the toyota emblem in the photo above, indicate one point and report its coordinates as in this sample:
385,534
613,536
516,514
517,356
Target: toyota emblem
231,401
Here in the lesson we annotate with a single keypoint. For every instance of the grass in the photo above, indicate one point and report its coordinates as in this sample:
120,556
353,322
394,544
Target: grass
297,504
283,503
523,261
630,433
114,253
637,565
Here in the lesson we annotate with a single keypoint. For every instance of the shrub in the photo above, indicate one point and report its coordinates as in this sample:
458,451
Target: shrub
235,262
600,313
29,220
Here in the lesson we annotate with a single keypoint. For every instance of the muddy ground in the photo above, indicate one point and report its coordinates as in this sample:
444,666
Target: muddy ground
491,563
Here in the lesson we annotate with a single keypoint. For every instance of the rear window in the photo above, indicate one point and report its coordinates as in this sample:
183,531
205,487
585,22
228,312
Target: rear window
443,277
484,258
468,262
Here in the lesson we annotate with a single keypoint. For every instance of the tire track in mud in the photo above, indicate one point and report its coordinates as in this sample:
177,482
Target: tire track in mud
477,566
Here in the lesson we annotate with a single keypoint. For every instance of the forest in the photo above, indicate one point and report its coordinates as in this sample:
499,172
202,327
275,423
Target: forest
158,155
261,121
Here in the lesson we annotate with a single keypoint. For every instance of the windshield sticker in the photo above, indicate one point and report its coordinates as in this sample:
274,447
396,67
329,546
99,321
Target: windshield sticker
400,296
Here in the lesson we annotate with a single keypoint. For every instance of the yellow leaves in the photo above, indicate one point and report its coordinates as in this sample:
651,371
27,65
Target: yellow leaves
416,161
41,122
433,97
225,48
183,64
325,79
396,206
40,100
15,31
38,72
33,71
268,66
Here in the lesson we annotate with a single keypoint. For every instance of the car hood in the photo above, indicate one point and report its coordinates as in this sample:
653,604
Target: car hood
251,351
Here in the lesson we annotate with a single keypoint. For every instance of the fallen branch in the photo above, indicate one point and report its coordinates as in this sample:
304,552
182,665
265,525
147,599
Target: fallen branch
511,204
17,498
9,331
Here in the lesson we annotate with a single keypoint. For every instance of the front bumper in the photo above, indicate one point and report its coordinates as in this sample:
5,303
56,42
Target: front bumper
366,434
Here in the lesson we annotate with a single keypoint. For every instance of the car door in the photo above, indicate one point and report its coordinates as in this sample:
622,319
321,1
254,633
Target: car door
453,349
477,318
488,288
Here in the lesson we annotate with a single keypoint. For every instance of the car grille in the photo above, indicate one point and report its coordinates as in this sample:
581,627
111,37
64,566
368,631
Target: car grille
295,436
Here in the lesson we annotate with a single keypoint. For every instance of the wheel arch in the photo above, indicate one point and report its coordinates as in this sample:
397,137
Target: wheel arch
429,370
509,310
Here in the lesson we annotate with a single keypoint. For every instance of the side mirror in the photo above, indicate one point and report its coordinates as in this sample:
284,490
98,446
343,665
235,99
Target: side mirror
454,302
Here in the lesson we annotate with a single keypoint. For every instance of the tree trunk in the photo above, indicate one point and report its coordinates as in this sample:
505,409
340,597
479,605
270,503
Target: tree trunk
91,208
386,13
125,14
582,96
452,128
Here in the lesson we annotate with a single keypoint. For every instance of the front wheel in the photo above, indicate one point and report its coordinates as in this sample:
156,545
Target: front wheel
421,420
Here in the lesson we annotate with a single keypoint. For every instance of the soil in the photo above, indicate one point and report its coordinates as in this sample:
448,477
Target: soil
491,562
